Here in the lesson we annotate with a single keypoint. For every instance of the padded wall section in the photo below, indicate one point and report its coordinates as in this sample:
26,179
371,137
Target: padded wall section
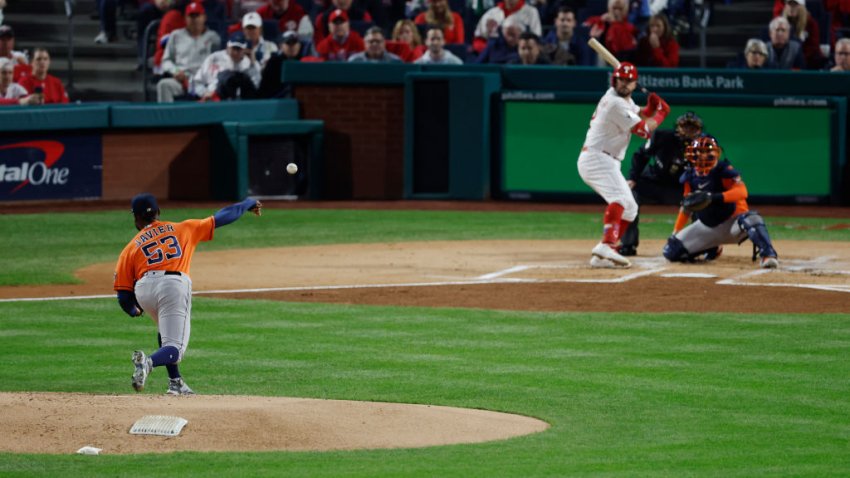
364,138
172,164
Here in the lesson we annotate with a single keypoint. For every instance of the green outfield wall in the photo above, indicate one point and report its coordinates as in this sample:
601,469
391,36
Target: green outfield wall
784,153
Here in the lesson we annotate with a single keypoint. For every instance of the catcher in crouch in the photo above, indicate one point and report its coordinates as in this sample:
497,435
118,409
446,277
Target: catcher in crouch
717,197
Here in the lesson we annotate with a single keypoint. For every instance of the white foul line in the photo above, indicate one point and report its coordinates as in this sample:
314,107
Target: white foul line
509,270
491,278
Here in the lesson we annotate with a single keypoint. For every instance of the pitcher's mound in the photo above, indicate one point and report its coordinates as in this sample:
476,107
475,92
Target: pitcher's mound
62,423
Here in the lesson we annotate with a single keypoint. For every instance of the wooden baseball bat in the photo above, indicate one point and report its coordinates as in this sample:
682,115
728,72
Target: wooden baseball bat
603,52
607,56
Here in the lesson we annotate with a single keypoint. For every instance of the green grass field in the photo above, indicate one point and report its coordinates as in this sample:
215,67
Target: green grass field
625,394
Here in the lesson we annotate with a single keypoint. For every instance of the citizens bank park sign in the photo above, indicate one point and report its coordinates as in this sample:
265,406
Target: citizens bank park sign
65,167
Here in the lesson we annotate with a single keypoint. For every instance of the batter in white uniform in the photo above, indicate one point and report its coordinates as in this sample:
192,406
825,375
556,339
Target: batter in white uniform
616,118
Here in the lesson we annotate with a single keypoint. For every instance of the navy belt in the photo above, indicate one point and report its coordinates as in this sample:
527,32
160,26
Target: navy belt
173,273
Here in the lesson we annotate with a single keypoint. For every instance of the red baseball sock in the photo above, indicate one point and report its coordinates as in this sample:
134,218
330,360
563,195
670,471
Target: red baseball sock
611,223
624,224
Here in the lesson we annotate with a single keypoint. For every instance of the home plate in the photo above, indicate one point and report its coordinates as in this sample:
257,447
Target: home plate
692,275
158,425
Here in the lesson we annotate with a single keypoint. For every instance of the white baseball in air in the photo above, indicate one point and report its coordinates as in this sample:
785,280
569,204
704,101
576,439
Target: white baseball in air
291,168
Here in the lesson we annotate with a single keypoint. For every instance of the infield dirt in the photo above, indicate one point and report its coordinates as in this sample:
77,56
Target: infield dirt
518,275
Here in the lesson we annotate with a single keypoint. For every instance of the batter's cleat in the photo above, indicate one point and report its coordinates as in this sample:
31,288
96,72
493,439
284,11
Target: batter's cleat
143,369
604,251
769,262
176,386
597,263
628,251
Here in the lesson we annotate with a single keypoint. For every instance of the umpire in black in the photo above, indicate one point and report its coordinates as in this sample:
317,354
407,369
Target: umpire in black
657,182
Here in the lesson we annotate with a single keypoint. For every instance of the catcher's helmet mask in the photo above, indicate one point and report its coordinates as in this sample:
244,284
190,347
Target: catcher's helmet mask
703,154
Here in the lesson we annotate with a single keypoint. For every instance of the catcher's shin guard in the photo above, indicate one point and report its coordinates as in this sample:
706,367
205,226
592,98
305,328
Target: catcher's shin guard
611,223
756,229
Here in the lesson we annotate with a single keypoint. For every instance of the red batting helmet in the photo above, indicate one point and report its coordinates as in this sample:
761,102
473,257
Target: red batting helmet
626,71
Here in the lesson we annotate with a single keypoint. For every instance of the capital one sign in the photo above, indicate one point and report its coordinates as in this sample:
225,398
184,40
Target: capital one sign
51,168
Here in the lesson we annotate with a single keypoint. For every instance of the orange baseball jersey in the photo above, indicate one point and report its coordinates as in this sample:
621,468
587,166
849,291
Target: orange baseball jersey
161,246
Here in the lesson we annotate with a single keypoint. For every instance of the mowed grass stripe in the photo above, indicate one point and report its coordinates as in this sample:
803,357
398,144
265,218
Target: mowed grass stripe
626,394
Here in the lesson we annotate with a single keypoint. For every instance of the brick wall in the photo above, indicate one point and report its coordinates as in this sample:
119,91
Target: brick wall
167,164
364,138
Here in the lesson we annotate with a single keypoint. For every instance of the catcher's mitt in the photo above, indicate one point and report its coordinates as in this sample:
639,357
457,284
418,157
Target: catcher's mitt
696,201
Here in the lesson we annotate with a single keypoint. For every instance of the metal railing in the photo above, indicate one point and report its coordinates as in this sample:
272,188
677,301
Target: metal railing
702,16
69,12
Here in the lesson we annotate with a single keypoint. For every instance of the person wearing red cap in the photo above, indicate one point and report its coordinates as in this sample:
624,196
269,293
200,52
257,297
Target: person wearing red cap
185,52
614,121
323,20
50,87
342,42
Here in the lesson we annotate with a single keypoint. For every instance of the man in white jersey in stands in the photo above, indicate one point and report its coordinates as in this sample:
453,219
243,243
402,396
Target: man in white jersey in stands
616,118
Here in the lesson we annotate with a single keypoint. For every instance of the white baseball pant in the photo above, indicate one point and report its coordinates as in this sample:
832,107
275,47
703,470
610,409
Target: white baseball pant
168,300
602,173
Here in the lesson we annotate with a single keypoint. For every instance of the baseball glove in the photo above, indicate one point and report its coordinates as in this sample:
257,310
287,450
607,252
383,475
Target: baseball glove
696,201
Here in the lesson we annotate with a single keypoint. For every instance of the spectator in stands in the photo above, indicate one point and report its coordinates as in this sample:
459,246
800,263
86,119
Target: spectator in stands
783,51
839,10
563,45
406,42
639,12
504,47
13,97
186,50
805,29
148,13
175,18
215,9
614,31
231,73
436,54
841,62
292,49
107,11
40,80
754,56
342,42
528,51
376,49
8,52
657,6
525,16
290,16
658,47
352,13
172,20
2,6
9,90
439,14
262,49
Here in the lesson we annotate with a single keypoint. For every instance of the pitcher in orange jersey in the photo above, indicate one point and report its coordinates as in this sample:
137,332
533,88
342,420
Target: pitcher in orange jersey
153,275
